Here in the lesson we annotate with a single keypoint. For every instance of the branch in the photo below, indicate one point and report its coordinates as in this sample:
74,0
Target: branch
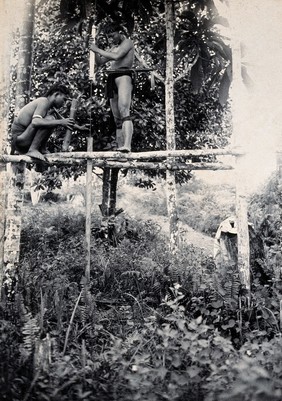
145,65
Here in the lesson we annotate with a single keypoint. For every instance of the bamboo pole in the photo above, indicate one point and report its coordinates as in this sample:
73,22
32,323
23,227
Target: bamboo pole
67,138
92,74
130,164
161,154
88,198
164,165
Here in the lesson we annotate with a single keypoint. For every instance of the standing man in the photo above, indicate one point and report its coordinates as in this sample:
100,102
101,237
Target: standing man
120,83
34,123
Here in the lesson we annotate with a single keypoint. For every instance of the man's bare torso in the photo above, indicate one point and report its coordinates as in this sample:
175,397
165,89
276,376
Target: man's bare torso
25,115
127,60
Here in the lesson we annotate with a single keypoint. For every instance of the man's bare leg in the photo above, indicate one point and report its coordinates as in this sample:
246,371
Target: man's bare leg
118,121
40,141
127,128
124,85
41,136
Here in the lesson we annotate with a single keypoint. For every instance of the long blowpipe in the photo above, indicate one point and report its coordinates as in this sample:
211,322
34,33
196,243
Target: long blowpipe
92,74
67,138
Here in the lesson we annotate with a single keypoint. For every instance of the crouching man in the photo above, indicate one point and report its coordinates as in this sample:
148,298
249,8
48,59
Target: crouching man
34,123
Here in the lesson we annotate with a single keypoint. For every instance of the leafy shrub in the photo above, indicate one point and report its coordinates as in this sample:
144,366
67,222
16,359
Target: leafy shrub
149,326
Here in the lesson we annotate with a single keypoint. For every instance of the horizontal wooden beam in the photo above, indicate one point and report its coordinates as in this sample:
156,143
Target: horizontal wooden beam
66,157
118,162
160,154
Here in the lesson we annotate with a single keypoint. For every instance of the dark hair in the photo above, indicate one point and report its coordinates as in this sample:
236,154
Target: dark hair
57,88
114,27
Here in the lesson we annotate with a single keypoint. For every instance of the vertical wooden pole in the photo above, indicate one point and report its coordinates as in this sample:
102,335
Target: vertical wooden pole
92,74
113,191
238,140
170,126
88,210
106,192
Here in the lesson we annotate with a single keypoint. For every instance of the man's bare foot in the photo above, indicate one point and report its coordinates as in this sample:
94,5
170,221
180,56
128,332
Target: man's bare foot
45,152
124,149
111,146
35,154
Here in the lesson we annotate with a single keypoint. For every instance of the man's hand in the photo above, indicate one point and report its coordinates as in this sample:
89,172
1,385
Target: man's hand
85,127
93,47
67,122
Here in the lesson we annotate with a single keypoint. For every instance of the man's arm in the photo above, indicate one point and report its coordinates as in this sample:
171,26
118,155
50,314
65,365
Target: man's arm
99,60
124,48
39,120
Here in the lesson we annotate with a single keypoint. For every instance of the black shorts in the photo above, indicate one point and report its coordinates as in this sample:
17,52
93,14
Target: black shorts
111,87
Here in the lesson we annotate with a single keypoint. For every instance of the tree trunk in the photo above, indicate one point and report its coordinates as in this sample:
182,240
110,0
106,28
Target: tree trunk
238,138
25,56
170,126
5,49
16,177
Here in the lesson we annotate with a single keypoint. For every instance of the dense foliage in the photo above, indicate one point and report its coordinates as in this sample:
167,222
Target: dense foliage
148,327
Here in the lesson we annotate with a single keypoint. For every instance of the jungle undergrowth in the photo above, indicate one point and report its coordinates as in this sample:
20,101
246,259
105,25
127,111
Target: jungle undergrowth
148,327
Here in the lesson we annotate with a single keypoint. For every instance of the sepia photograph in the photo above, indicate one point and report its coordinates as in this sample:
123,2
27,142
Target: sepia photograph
140,200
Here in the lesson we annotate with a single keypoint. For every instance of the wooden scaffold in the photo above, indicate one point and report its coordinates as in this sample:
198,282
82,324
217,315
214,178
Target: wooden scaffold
169,160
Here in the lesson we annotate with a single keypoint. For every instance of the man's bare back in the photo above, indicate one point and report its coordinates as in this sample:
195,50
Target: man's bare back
38,107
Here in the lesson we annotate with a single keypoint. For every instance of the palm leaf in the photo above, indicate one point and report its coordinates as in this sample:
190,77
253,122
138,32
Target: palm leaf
217,44
214,77
197,76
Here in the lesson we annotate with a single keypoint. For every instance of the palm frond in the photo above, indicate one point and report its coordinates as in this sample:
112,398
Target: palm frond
197,76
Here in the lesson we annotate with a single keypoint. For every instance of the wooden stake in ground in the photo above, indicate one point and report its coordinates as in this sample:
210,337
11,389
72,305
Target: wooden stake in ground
88,199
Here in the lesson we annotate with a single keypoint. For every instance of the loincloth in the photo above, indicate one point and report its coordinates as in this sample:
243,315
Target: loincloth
111,87
16,130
